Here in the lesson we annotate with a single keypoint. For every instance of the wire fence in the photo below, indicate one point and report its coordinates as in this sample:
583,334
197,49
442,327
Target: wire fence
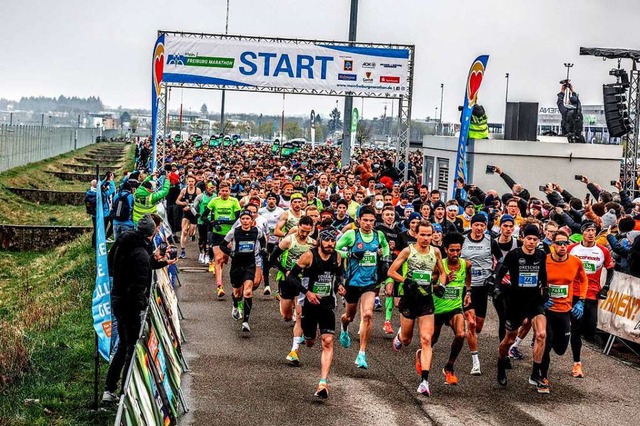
20,145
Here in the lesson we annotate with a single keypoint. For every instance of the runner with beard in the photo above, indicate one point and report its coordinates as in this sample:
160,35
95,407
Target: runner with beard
318,274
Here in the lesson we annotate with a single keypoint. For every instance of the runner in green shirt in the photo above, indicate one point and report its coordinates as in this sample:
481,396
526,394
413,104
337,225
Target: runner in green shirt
448,306
223,212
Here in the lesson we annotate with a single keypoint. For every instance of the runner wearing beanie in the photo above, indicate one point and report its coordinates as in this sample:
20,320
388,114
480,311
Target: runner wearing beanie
480,250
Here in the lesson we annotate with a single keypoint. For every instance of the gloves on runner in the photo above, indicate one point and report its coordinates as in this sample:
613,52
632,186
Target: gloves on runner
602,294
410,285
439,290
578,309
358,255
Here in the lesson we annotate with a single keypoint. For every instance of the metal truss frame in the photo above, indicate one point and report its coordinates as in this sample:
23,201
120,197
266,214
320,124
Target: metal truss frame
404,115
630,140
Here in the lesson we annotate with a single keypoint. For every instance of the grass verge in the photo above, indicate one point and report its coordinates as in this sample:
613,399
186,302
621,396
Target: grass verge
47,339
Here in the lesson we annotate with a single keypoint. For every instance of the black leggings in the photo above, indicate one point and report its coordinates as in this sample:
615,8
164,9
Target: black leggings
498,303
558,336
202,236
265,263
585,326
129,323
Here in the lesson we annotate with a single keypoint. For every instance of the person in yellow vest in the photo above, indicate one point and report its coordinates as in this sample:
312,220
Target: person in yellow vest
145,199
478,127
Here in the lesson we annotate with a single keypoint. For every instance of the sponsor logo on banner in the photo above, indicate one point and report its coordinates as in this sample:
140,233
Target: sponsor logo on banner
348,65
347,77
389,79
208,61
367,77
390,65
368,65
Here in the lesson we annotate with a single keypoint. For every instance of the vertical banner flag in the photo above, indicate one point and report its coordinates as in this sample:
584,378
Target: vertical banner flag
355,116
474,80
157,72
101,303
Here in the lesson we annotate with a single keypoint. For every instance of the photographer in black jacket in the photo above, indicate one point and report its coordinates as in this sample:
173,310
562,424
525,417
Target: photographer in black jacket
131,261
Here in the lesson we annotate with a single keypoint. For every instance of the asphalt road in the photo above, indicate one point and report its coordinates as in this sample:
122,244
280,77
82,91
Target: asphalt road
245,380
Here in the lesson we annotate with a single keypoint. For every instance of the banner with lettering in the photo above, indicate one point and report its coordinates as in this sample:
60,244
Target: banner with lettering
618,313
101,301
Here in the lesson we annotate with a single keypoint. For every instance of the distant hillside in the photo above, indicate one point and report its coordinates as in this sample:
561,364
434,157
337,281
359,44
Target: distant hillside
42,104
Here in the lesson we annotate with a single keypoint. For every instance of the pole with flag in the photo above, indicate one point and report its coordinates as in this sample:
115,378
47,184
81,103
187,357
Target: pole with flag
355,116
474,80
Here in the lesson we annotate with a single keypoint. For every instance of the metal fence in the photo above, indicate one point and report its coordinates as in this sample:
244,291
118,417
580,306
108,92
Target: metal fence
21,145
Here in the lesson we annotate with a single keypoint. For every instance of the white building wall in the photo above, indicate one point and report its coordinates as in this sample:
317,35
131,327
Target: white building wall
529,163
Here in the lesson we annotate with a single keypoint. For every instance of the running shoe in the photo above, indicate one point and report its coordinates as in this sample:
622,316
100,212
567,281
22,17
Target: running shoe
266,291
449,377
542,385
245,327
212,267
423,388
221,292
345,340
293,358
110,397
577,370
235,313
206,259
322,391
397,344
388,328
502,373
183,254
361,361
276,295
377,306
475,370
201,258
515,353
419,362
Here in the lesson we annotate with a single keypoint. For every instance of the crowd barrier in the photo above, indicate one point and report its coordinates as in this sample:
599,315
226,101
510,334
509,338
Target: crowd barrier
152,392
618,313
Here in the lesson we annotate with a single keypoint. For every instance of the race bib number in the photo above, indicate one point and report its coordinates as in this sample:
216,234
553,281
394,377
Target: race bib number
224,217
476,273
589,267
246,247
451,293
369,258
422,277
558,291
322,287
528,279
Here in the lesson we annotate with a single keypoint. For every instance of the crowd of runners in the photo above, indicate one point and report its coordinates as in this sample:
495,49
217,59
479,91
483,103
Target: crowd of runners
357,238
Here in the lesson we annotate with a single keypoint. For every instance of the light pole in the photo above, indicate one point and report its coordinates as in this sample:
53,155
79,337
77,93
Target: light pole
441,99
226,31
348,100
506,94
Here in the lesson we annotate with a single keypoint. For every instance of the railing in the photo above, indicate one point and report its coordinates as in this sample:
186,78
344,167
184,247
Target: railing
20,145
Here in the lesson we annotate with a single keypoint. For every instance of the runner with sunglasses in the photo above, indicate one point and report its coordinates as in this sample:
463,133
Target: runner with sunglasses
563,269
318,274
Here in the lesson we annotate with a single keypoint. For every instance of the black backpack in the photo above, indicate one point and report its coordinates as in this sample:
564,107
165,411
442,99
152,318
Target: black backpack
120,210
90,202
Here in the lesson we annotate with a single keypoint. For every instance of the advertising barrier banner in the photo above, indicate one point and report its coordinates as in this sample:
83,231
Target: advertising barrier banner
153,394
618,313
277,63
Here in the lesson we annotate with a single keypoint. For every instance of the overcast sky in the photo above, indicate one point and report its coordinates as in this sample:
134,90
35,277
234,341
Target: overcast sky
83,48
